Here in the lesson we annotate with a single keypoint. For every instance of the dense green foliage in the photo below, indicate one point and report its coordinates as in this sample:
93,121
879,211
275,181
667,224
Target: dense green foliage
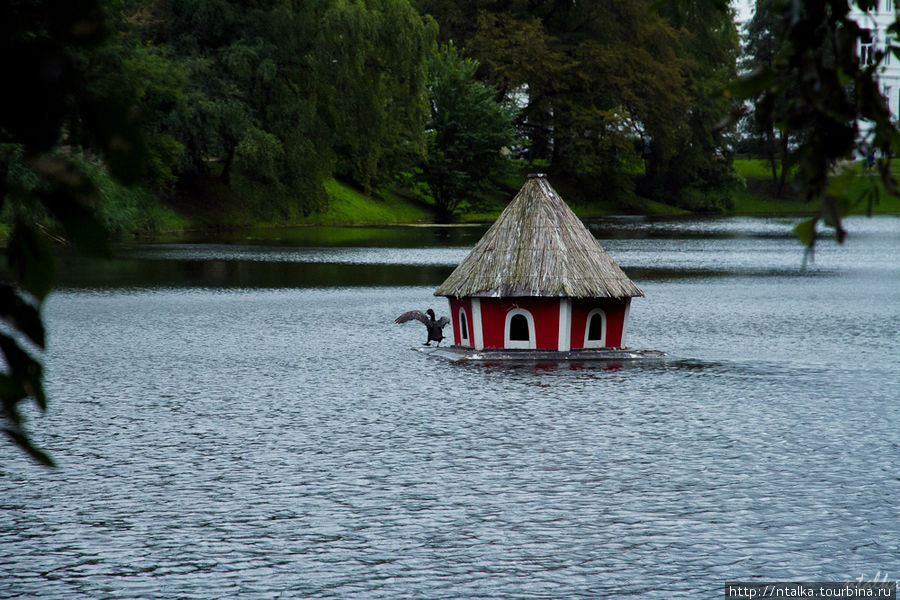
283,95
606,84
700,170
465,134
256,105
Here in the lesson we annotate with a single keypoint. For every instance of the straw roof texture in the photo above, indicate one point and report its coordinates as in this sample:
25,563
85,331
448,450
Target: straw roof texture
538,247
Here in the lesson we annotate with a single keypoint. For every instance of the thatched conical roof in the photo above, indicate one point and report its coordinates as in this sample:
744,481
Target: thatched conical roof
538,247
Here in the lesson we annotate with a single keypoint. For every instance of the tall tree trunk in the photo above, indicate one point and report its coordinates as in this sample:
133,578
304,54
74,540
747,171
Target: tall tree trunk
540,122
770,152
784,165
226,166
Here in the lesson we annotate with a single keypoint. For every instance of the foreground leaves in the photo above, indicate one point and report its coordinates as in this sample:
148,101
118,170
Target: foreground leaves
57,113
816,90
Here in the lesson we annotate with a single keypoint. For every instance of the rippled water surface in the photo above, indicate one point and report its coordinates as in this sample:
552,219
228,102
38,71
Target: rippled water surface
244,420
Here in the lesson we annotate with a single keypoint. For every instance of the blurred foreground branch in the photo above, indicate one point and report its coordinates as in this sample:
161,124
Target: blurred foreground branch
50,112
817,88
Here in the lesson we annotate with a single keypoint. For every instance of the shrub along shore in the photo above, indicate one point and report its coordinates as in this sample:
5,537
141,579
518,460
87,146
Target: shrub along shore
134,212
350,206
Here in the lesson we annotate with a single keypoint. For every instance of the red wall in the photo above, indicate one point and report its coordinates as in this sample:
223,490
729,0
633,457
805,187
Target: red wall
455,305
544,310
615,319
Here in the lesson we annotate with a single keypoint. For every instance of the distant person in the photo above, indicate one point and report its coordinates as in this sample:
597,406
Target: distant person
870,161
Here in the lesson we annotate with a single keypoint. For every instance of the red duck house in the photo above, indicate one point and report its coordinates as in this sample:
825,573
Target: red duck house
538,280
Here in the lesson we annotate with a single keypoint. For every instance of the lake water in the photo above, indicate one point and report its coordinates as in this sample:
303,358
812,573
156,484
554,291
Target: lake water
241,418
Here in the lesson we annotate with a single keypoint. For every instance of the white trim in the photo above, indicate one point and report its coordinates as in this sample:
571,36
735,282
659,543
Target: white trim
565,325
463,325
530,343
601,343
625,322
477,331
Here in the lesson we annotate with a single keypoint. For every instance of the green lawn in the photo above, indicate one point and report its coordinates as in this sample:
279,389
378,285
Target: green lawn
859,185
350,206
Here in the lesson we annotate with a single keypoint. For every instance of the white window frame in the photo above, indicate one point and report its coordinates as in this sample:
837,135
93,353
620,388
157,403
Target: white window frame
531,342
601,343
464,340
867,49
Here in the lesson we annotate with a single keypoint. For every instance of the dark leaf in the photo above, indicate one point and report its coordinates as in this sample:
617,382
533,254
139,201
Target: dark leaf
752,85
31,260
36,70
24,370
68,200
831,213
11,391
806,231
21,440
22,315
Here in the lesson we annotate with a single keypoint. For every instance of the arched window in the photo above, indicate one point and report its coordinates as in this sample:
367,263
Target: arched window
519,330
595,329
463,328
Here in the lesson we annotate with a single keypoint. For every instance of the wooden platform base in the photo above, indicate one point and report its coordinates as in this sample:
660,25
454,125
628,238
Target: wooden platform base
458,353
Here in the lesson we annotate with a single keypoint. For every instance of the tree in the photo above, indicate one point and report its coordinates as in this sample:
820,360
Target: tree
597,76
252,95
263,95
764,33
379,105
709,44
284,95
467,131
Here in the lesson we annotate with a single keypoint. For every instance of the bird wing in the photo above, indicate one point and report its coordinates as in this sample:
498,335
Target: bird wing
442,322
418,315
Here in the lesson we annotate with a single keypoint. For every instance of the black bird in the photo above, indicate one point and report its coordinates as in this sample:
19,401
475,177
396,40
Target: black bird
435,328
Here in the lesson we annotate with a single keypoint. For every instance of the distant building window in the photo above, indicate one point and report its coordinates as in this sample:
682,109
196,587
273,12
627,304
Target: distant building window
889,42
519,330
888,5
595,329
866,48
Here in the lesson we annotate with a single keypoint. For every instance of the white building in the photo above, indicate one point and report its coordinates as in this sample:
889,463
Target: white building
877,39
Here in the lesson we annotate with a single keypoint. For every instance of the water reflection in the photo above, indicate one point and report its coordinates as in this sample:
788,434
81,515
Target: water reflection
134,272
344,237
385,256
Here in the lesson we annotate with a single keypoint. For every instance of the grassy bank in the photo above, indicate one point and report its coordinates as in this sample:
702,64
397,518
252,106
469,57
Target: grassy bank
212,205
756,199
209,204
348,205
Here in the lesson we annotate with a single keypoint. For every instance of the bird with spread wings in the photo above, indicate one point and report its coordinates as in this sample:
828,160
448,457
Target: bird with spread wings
435,327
